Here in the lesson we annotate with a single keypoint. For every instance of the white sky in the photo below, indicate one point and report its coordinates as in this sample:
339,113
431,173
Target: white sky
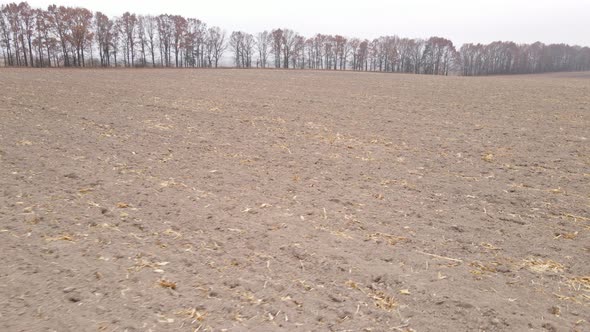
549,21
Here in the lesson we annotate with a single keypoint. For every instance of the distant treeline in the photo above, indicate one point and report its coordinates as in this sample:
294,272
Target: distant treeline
76,37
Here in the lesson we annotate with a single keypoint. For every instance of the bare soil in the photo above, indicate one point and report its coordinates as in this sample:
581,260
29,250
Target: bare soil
210,200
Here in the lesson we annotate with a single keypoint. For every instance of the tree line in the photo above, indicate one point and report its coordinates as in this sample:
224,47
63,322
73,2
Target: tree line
77,37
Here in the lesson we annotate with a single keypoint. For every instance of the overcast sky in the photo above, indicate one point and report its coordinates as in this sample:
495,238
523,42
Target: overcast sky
462,21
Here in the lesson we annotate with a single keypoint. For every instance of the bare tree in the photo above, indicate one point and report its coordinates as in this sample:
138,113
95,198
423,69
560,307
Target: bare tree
288,40
319,47
58,19
179,32
198,31
40,40
341,52
263,42
277,45
216,45
12,12
28,20
236,40
5,37
192,42
165,32
298,53
247,50
142,39
150,27
116,38
354,44
417,53
128,27
81,22
103,34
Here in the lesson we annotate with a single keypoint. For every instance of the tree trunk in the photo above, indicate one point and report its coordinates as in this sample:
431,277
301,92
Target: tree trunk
30,51
40,54
153,57
65,51
22,41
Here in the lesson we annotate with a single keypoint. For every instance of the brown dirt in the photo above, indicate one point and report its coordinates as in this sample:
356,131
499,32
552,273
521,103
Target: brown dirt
293,200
